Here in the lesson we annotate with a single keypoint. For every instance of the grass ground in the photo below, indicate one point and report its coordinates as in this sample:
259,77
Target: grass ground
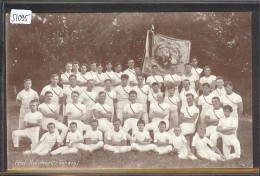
105,159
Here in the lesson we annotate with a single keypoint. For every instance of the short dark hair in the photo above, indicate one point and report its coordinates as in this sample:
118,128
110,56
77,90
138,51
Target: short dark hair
162,123
108,62
207,67
124,76
72,75
117,64
34,101
76,92
205,84
74,123
48,92
24,81
54,75
84,64
155,84
129,59
190,94
186,80
228,83
75,62
228,107
132,92
99,64
177,127
101,92
216,98
49,124
140,74
194,57
116,120
94,121
108,80
220,77
154,66
187,64
141,121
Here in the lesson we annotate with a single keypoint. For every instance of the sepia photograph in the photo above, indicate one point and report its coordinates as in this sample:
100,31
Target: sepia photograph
139,90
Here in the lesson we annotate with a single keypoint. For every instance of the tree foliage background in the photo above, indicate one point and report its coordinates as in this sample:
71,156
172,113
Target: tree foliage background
221,40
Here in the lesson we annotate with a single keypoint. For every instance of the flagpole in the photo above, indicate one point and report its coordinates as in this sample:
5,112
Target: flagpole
145,48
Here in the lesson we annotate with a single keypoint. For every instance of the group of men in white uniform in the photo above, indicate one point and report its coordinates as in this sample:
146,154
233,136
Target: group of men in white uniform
117,102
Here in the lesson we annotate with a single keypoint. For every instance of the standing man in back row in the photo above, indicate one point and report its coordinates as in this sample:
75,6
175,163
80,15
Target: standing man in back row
172,79
130,71
196,71
23,99
64,78
154,77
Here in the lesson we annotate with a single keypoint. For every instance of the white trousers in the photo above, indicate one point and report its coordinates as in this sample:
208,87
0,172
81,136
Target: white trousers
213,134
117,149
33,135
42,149
209,155
65,150
162,149
227,148
58,127
183,153
80,125
91,147
23,111
142,148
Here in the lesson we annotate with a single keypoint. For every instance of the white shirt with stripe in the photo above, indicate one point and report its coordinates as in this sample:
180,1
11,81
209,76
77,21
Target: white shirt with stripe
88,98
173,102
160,108
206,101
56,93
68,90
183,97
152,79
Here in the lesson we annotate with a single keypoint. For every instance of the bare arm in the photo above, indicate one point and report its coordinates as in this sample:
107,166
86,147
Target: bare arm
49,115
209,121
100,115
